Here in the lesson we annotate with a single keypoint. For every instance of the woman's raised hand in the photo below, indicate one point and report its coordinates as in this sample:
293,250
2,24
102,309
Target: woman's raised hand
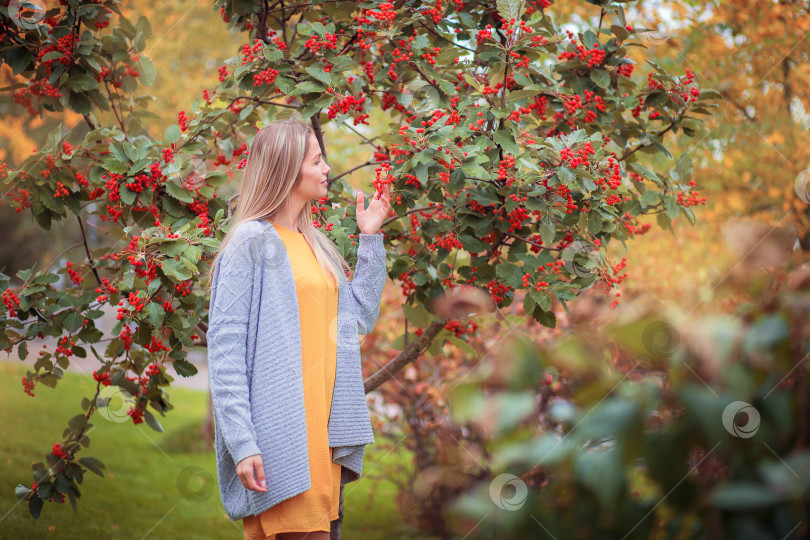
369,220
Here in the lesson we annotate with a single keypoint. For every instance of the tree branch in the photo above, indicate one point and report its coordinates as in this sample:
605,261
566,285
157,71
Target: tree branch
411,353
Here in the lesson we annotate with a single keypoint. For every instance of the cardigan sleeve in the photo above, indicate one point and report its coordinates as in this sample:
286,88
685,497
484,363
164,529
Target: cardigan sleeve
368,281
228,315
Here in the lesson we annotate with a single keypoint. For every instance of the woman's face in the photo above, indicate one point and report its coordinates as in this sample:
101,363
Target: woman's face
312,179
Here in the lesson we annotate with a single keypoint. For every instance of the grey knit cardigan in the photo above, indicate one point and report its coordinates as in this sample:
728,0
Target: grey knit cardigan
255,370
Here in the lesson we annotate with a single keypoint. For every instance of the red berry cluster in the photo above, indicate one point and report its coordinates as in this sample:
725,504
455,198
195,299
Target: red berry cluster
484,34
435,13
58,451
402,53
249,53
348,104
136,414
691,198
568,158
21,198
276,37
11,301
268,76
538,286
183,288
25,96
50,165
110,289
625,69
455,326
137,303
594,56
157,345
63,45
204,224
28,386
103,378
65,346
387,12
182,120
74,275
497,290
126,337
508,162
316,45
431,55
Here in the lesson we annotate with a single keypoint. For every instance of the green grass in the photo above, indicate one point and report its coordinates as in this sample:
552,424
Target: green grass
139,496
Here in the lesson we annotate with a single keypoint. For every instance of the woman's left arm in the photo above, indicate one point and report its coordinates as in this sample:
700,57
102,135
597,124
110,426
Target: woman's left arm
369,277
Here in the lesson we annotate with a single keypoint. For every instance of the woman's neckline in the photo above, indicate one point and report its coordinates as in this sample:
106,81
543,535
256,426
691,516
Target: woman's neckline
285,228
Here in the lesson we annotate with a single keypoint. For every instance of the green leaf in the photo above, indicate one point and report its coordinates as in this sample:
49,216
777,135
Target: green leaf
506,140
151,421
540,299
319,73
619,31
184,368
565,175
172,134
510,274
684,167
650,198
178,192
307,87
93,464
154,314
601,78
511,9
175,270
547,231
147,70
418,316
472,244
127,195
520,94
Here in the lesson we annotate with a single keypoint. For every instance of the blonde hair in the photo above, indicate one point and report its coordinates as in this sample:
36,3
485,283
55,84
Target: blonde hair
272,171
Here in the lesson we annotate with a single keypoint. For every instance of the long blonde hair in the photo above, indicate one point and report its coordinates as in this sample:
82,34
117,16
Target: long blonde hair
272,171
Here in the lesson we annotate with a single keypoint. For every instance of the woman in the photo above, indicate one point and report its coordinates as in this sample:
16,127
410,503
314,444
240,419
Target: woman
283,344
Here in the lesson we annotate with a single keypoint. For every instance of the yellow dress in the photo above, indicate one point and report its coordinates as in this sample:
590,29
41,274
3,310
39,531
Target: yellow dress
313,509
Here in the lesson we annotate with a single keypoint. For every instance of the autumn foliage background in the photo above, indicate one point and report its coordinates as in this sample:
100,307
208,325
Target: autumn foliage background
749,161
